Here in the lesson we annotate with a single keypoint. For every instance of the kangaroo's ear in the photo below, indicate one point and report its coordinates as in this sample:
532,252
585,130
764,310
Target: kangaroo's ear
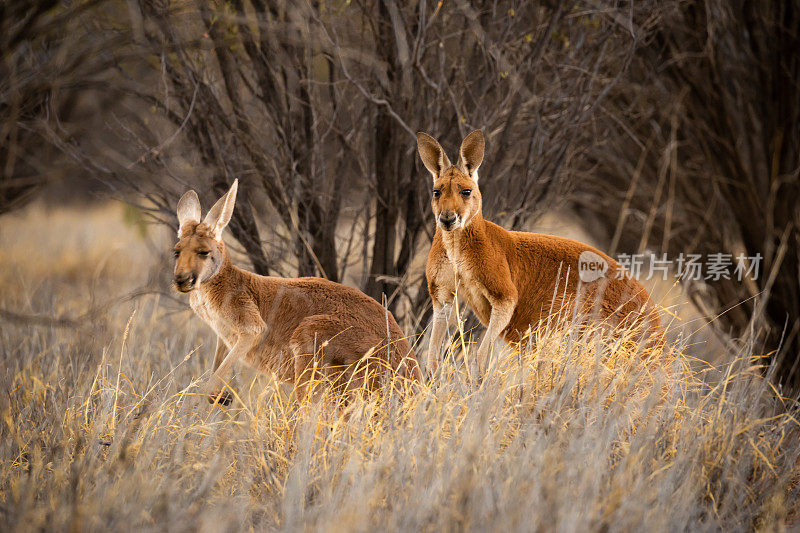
188,209
221,213
471,153
432,155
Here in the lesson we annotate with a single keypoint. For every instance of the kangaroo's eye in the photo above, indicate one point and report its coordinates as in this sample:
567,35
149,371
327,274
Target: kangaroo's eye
466,192
176,253
437,193
203,253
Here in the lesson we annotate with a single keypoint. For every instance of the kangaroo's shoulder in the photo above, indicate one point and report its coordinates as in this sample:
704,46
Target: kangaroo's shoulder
437,256
498,235
437,251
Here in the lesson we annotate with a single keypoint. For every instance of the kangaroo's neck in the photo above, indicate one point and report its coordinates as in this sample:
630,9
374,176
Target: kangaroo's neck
218,301
212,298
468,239
224,274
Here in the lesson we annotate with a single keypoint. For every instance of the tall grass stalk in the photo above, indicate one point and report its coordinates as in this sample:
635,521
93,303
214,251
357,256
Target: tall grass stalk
575,431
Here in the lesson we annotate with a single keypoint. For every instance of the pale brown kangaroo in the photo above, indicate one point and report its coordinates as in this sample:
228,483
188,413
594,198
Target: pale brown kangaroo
299,329
510,279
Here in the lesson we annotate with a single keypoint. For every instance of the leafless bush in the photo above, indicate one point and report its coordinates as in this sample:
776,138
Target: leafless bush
50,60
314,107
701,148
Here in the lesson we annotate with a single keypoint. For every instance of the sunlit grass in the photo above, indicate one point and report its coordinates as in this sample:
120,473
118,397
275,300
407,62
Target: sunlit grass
569,432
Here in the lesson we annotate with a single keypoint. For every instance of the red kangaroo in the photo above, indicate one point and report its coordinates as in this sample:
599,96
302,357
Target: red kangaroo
511,279
293,328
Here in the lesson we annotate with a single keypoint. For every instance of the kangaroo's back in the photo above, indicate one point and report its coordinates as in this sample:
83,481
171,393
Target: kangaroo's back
287,302
547,272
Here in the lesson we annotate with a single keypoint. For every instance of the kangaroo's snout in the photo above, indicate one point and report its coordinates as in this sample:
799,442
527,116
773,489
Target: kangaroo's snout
447,219
185,282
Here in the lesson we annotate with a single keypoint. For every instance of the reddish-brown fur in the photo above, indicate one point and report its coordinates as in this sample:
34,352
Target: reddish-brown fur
289,327
512,280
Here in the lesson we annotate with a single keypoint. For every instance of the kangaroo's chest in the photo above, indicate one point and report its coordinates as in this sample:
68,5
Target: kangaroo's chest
267,354
474,294
212,316
466,282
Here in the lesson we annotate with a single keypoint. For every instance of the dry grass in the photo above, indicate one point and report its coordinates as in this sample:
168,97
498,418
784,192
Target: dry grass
101,427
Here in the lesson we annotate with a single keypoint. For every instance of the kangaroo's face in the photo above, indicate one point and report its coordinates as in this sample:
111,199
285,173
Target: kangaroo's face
199,252
198,256
456,199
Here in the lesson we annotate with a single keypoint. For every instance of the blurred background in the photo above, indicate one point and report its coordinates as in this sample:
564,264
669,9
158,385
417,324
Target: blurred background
666,126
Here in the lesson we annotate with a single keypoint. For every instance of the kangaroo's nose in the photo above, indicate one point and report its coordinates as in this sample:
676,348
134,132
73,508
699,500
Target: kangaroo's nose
184,281
447,219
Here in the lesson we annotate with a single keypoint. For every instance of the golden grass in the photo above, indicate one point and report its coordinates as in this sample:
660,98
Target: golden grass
102,429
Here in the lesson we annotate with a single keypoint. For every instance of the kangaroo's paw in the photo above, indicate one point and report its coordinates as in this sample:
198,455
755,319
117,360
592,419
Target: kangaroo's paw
221,397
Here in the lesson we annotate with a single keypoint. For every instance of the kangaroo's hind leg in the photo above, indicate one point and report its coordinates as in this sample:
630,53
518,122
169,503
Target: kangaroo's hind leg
329,349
